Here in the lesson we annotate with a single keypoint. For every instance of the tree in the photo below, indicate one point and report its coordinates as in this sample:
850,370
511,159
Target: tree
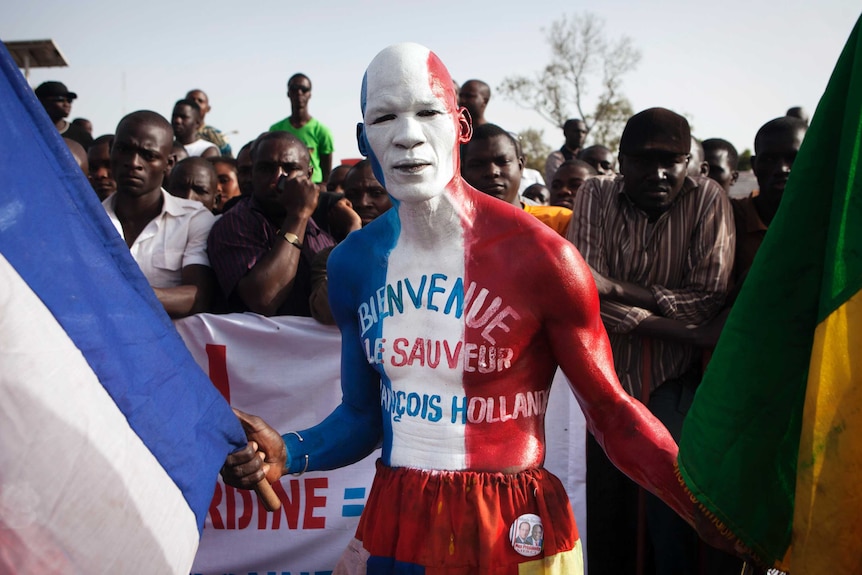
581,54
744,163
534,149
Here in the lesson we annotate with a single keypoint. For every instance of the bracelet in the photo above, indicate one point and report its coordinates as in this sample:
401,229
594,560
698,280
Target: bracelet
305,467
296,433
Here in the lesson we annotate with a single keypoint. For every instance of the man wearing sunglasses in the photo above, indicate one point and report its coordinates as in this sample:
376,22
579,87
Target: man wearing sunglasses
57,101
316,137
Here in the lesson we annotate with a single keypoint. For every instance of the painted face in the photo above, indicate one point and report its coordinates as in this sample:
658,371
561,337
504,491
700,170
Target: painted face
368,197
99,158
194,181
566,183
140,156
492,166
653,179
411,124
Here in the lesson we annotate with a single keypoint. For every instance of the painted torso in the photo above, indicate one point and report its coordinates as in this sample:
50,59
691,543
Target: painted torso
464,367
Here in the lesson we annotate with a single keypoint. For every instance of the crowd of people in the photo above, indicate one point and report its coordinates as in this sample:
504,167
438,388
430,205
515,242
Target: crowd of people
665,243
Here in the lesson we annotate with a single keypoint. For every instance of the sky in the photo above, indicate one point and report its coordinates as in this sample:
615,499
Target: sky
729,67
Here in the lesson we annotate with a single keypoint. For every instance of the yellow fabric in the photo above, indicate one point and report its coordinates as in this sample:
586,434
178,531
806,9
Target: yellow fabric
567,563
827,531
554,217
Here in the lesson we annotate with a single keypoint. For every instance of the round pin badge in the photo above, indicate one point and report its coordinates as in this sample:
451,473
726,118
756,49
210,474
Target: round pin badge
527,535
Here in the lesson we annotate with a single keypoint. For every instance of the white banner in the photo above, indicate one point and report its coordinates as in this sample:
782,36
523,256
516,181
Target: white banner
286,370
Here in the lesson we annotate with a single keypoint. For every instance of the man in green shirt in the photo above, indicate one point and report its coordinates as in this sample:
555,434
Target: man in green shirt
310,131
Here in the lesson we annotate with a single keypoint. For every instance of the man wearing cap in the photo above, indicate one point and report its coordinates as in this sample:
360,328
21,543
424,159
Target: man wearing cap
57,101
660,245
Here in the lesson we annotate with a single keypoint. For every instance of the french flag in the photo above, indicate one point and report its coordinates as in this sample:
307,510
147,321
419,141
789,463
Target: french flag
111,437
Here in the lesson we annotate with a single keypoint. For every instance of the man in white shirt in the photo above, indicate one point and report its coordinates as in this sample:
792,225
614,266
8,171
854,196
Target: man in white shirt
167,236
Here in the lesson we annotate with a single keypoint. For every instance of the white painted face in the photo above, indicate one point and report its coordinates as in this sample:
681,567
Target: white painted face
413,132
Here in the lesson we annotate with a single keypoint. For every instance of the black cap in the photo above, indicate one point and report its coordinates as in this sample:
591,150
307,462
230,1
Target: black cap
656,129
54,89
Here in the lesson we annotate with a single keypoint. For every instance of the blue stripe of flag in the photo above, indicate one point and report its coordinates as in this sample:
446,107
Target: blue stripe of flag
56,235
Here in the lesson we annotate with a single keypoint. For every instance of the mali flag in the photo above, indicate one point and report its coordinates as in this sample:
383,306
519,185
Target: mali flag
773,443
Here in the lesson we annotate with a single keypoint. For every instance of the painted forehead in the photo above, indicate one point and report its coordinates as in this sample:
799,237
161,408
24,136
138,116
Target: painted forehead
408,66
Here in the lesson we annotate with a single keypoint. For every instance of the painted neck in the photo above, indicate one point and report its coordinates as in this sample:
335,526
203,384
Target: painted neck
435,220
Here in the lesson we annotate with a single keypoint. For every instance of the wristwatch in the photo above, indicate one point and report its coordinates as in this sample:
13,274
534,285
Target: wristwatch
291,239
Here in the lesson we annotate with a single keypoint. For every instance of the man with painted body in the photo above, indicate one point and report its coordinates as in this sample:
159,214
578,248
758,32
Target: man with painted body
447,360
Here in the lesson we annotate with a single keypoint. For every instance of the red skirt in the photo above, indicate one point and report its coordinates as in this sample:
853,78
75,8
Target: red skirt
452,522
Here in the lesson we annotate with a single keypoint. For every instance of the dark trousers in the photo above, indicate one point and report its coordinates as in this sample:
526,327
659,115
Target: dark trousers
612,516
672,547
678,549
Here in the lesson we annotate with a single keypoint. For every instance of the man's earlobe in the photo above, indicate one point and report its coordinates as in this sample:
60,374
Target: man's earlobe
465,125
733,177
362,140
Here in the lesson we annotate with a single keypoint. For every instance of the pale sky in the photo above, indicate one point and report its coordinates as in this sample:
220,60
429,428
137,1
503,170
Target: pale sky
729,67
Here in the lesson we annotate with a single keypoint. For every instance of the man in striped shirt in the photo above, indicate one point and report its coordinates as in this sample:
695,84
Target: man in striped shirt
660,245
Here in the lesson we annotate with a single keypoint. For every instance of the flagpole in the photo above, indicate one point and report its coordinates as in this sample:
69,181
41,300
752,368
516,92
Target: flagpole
267,495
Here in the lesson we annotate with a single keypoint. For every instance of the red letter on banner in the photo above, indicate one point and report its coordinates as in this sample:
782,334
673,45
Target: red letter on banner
290,505
215,515
312,502
217,355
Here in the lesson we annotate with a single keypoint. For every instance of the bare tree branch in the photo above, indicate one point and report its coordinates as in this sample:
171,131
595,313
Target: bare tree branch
582,56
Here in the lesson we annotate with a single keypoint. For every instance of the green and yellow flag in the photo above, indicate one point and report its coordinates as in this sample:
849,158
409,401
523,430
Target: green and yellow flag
773,443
